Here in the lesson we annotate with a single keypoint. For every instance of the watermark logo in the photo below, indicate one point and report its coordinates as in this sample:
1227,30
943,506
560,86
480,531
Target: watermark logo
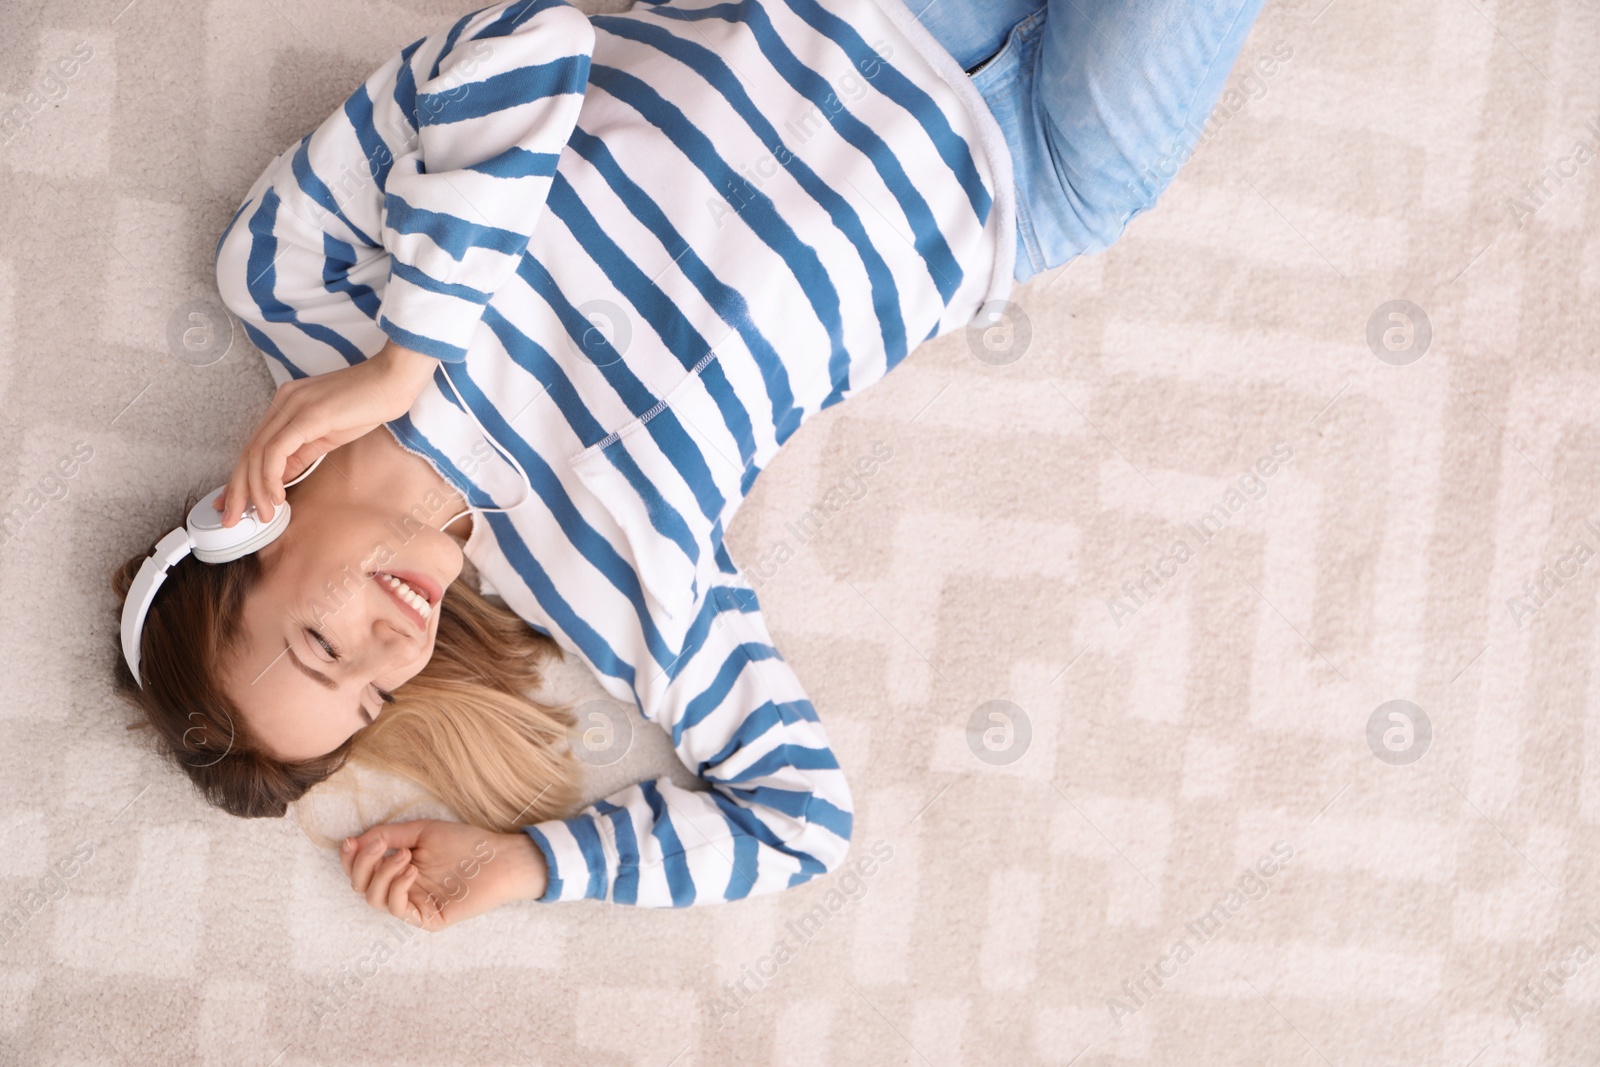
1250,486
51,488
353,976
849,886
1251,85
1537,593
199,332
1536,992
1541,190
999,732
604,732
1248,888
52,89
1399,732
1399,333
1000,333
848,490
49,889
846,89
608,335
352,183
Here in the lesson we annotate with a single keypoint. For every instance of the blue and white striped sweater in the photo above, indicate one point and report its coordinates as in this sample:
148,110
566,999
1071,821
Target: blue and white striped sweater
646,248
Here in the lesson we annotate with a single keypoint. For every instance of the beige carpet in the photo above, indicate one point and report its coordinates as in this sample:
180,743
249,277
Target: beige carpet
1207,842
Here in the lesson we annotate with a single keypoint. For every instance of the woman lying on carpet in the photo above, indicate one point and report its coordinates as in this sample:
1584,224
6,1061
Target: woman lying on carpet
589,274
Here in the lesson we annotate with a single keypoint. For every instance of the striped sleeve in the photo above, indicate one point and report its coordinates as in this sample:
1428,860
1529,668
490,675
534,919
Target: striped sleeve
407,208
490,122
778,811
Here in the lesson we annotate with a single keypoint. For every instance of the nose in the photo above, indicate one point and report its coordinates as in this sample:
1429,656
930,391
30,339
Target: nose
393,644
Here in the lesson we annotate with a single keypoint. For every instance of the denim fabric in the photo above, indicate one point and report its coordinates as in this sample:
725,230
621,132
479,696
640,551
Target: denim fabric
1100,101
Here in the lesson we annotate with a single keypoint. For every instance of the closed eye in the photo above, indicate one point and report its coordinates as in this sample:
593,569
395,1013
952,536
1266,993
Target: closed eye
384,695
333,654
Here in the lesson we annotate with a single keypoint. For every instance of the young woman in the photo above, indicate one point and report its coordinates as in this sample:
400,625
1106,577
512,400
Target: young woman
588,275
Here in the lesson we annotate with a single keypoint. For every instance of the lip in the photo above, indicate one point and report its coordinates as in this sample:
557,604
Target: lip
421,585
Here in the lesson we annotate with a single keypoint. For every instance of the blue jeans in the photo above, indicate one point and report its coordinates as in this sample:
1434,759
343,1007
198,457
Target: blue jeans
1100,101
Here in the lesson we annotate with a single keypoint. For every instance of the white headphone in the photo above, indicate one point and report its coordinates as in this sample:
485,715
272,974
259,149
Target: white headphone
204,535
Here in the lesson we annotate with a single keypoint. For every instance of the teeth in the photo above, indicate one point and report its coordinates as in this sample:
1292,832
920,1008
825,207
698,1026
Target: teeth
408,594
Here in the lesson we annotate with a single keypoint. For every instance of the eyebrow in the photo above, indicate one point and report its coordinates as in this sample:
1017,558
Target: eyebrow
323,680
316,676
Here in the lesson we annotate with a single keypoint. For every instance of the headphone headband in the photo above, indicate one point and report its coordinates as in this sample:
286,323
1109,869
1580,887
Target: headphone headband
203,535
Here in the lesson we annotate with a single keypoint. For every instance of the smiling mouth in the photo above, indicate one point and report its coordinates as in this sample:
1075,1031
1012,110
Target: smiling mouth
414,602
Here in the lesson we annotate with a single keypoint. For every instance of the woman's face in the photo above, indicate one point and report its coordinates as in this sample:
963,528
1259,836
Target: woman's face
325,631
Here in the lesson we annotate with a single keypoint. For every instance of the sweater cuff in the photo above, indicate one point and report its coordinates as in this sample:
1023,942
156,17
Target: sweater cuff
574,857
435,318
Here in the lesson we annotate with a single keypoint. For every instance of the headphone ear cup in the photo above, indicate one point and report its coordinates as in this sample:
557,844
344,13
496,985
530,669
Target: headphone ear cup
214,543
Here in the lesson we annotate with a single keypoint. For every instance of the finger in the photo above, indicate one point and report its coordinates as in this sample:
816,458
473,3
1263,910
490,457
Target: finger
275,459
256,476
294,437
382,876
370,852
396,834
302,458
239,492
229,494
385,874
250,489
347,855
399,902
238,489
373,843
238,483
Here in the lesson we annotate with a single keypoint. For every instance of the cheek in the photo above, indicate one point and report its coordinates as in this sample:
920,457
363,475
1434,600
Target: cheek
415,666
332,543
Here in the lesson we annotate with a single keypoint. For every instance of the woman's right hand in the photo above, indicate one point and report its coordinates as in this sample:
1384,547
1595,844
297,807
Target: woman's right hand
442,872
312,416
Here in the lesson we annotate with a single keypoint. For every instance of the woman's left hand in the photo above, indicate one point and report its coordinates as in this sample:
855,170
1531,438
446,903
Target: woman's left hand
313,416
442,872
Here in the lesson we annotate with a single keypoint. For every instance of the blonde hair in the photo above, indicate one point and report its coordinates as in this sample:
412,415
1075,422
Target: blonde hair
462,730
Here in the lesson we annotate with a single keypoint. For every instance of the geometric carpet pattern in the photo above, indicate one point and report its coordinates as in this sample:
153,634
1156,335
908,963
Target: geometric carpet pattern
1213,659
